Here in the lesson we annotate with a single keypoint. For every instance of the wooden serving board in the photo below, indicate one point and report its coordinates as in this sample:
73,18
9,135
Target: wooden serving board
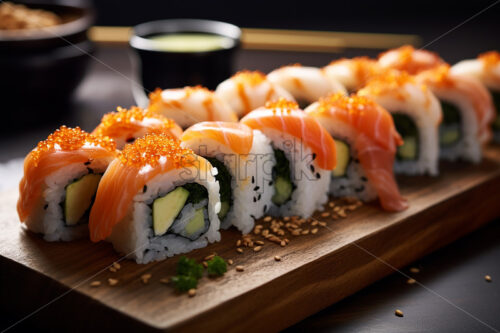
315,271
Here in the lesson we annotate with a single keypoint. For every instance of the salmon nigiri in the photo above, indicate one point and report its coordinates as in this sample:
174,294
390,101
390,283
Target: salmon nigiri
60,179
241,156
366,140
304,153
155,200
124,126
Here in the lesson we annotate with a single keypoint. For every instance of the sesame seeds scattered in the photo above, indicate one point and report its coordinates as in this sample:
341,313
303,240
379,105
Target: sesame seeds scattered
487,278
257,248
239,250
116,265
112,270
95,284
145,278
414,270
192,292
112,282
399,313
277,258
165,280
240,268
230,261
411,281
209,257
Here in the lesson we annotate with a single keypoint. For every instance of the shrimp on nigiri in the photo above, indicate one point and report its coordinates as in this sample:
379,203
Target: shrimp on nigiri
156,199
190,105
353,73
125,126
407,58
248,90
305,156
366,140
61,176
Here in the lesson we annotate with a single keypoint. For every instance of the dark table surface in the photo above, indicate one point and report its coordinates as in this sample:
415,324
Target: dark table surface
451,294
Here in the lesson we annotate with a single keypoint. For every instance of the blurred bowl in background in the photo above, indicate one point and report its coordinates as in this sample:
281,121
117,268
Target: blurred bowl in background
182,52
41,68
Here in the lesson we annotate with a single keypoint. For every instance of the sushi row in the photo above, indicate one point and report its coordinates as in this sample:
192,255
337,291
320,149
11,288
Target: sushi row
155,190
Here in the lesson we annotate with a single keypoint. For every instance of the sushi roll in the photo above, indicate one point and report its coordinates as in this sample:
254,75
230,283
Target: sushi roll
416,113
353,73
61,176
156,200
468,112
485,68
190,105
408,59
241,156
366,141
124,126
246,91
304,153
306,84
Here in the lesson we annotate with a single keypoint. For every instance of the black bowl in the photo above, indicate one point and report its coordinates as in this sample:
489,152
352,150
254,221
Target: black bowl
168,69
40,69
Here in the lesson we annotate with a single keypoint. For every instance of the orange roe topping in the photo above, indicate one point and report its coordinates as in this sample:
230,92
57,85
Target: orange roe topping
155,96
70,139
253,78
124,118
282,104
353,103
414,61
153,147
491,58
389,81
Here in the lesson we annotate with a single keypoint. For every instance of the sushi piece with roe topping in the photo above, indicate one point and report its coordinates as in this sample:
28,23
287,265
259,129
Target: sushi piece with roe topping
61,176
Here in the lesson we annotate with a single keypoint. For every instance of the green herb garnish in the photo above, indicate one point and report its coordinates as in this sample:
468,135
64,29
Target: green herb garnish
189,267
216,266
184,282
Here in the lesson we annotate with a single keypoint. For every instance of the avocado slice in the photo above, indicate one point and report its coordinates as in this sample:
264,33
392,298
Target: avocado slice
196,224
448,136
343,158
79,195
282,190
224,209
409,149
166,209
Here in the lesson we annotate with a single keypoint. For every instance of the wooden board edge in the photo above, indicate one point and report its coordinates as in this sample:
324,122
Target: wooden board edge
275,305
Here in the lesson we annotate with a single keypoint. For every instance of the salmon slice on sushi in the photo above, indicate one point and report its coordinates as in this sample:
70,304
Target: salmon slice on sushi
247,90
366,141
416,113
190,105
407,58
244,159
485,68
306,84
353,73
468,112
61,176
125,126
156,200
304,154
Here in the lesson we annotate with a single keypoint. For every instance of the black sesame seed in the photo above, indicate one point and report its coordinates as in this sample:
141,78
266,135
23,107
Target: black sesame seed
271,183
256,188
253,217
145,188
90,170
318,175
356,160
130,140
359,189
254,199
314,156
265,208
253,180
258,198
87,163
363,178
46,206
312,168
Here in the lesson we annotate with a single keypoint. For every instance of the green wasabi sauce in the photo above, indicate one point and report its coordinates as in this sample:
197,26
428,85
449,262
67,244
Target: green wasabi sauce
190,42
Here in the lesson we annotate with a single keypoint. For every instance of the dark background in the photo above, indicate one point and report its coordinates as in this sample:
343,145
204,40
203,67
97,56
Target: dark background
426,18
